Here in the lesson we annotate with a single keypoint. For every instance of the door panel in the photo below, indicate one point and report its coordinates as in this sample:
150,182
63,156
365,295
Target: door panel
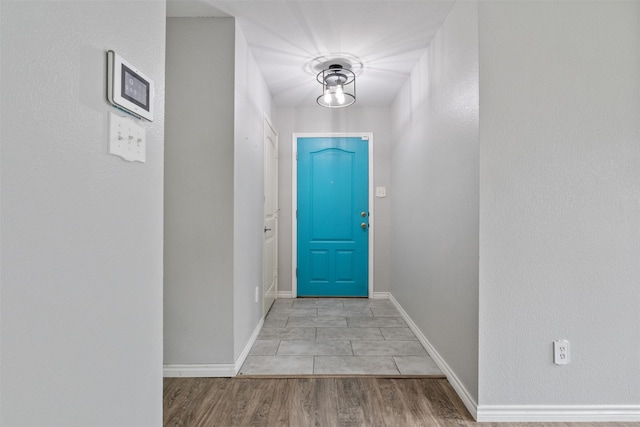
270,243
333,192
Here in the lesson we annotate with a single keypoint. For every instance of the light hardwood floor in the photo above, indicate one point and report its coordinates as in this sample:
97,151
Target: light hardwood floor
323,402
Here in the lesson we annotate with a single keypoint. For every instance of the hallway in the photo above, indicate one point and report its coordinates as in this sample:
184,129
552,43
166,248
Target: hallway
337,336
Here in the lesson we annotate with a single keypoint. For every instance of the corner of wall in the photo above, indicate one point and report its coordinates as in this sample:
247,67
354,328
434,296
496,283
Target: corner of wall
435,183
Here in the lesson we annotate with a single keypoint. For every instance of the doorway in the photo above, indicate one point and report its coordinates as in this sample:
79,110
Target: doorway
332,226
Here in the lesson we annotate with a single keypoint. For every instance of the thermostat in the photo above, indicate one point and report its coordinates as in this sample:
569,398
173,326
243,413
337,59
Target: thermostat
127,88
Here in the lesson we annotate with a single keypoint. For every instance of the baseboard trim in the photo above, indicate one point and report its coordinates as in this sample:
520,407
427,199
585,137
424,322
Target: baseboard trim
376,295
558,413
465,396
199,370
212,370
245,352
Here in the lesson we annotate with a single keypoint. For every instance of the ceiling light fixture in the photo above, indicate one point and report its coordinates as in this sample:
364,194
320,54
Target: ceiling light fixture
338,86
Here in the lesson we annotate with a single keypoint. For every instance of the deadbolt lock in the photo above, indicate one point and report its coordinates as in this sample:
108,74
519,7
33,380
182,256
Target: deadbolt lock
363,225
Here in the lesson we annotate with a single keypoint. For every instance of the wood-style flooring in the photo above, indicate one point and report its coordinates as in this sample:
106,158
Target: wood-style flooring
322,402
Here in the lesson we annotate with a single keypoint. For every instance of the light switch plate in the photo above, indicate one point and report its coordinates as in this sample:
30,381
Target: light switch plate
381,191
126,139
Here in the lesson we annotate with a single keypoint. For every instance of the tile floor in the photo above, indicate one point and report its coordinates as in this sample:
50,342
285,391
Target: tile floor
337,336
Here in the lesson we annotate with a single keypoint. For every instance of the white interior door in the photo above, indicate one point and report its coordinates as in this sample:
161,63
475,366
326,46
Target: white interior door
270,245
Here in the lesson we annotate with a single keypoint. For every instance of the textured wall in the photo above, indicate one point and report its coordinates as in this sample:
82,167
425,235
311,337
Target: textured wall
216,103
559,201
252,104
199,170
434,210
81,264
323,120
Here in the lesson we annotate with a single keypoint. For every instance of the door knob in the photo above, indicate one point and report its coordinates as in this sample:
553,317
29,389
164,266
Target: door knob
363,225
363,214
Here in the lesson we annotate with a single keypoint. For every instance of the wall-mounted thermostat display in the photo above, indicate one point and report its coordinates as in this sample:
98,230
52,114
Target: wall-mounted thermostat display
128,88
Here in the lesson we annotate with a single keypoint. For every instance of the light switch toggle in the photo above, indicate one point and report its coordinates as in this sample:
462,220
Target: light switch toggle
126,138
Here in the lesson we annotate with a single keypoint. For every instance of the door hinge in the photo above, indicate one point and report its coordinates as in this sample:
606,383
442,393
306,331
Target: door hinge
296,272
296,213
296,155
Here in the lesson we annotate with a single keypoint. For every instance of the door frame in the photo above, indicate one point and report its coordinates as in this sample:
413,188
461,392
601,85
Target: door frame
294,202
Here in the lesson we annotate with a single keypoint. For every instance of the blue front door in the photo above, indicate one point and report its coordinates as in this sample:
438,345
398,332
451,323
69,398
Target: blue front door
333,216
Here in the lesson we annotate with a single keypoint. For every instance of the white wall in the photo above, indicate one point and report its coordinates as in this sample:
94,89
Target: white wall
252,104
323,120
434,211
81,264
559,202
199,193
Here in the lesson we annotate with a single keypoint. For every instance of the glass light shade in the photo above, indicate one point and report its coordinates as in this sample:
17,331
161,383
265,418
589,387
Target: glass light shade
338,87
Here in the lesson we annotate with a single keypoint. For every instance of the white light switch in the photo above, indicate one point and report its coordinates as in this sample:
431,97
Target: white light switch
126,138
381,191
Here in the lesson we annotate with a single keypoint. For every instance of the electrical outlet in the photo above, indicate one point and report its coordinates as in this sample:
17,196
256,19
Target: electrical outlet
561,352
257,293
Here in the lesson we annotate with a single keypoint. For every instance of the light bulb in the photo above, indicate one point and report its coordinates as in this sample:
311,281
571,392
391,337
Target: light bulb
340,94
327,96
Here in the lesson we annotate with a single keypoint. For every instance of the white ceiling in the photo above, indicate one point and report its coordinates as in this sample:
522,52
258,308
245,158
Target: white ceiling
286,36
